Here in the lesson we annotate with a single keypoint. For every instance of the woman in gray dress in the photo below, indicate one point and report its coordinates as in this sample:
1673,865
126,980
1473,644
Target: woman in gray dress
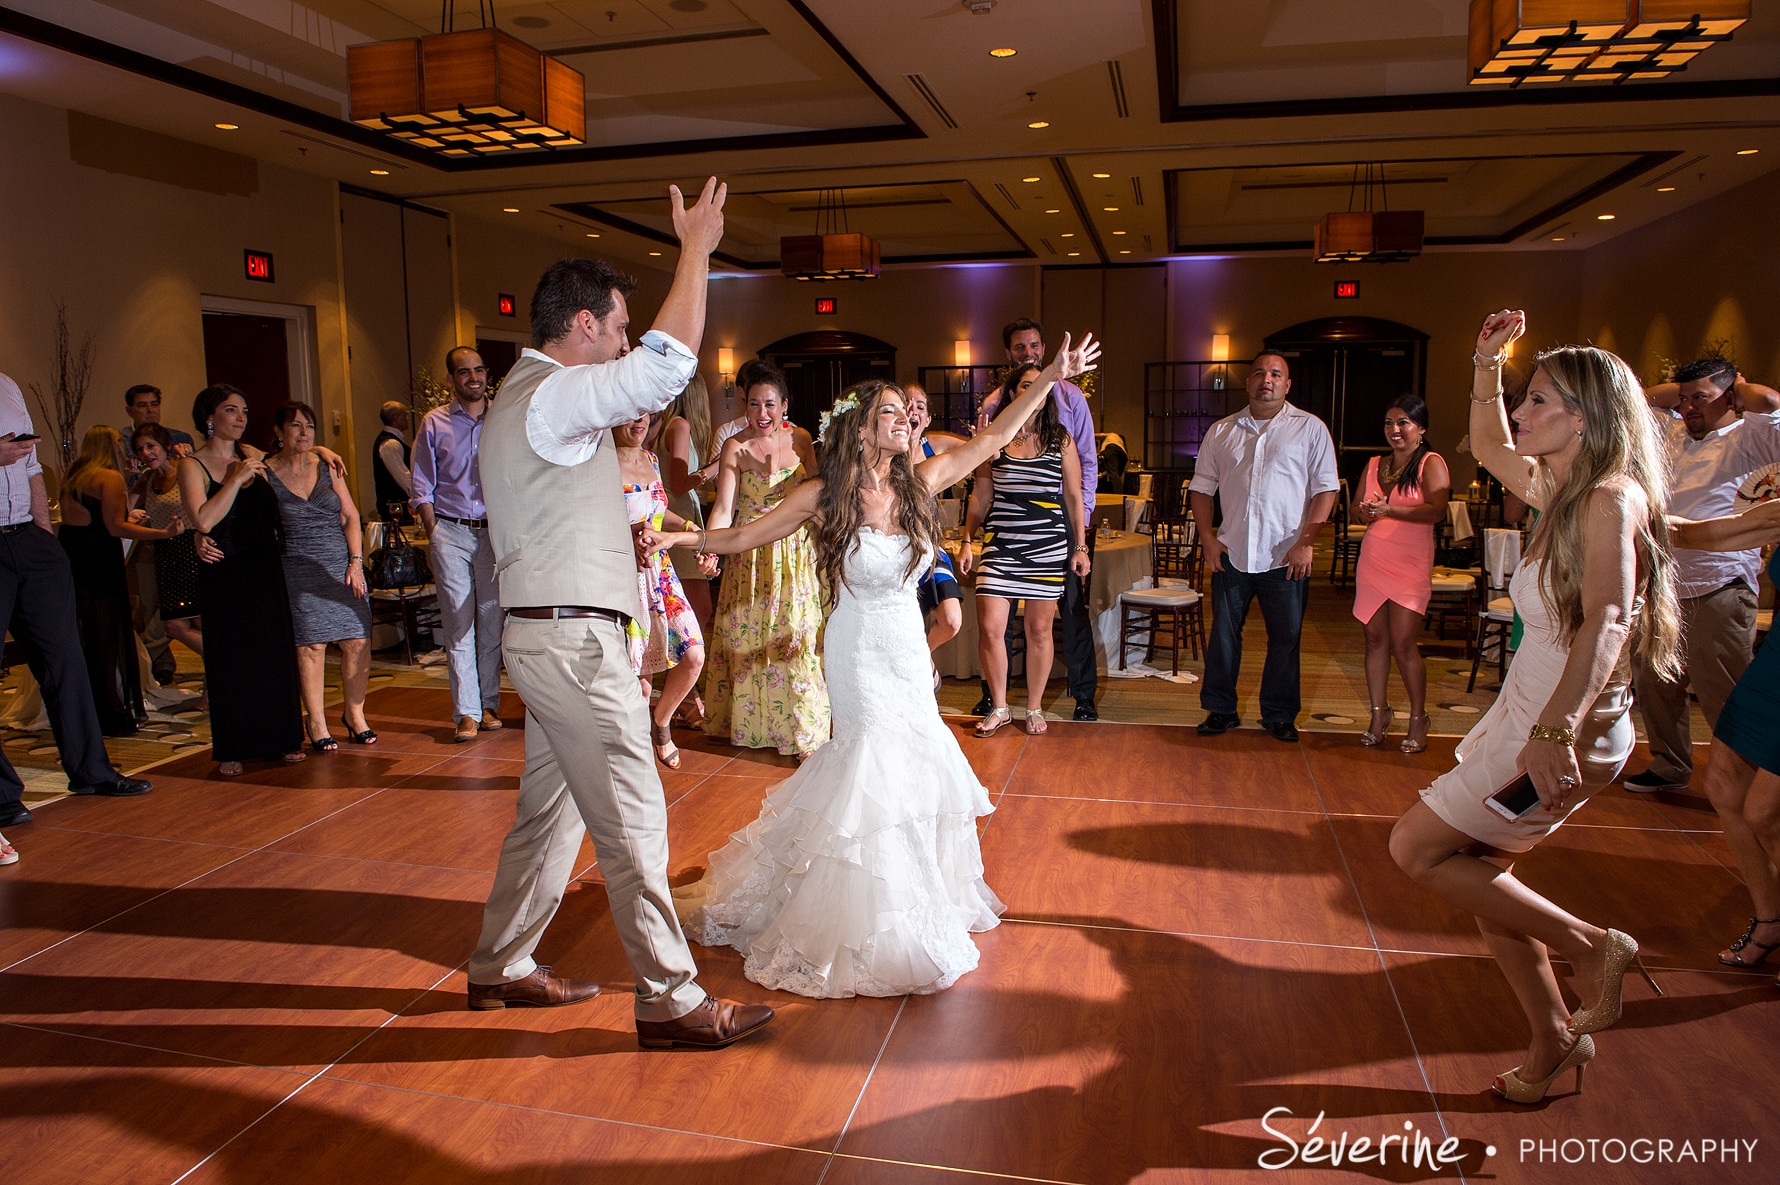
324,570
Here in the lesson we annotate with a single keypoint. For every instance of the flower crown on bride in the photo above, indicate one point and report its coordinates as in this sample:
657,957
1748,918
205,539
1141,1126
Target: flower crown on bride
841,406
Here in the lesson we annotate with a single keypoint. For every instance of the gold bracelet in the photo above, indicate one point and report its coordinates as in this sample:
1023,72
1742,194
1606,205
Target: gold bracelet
1494,362
1557,736
703,534
1491,399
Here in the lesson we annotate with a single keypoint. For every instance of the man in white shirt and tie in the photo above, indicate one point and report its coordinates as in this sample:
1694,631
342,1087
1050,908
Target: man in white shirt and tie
1272,466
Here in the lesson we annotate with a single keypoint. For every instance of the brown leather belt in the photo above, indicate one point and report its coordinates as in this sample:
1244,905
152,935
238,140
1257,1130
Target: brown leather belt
475,524
559,612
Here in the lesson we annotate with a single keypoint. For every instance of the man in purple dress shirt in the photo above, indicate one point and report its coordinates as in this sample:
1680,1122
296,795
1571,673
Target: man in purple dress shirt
1024,341
448,499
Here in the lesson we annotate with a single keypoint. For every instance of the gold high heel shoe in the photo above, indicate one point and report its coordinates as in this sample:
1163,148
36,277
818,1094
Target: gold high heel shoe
1622,952
1372,739
1410,744
1515,1089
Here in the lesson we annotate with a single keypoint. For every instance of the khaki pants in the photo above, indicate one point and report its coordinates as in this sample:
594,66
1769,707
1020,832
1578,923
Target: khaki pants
588,769
1719,633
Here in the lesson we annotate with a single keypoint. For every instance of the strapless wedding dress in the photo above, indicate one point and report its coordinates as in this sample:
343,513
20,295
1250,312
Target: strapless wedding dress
862,874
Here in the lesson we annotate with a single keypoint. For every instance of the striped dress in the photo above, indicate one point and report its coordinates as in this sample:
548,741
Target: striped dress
1026,534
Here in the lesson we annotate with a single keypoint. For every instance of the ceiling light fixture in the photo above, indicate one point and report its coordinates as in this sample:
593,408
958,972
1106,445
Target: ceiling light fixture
379,172
655,253
1665,189
1594,40
1075,252
227,127
834,252
1003,52
1053,211
464,94
1605,217
593,234
1367,235
1029,180
1747,151
1039,123
1068,234
1118,232
1124,250
509,209
1110,209
1101,176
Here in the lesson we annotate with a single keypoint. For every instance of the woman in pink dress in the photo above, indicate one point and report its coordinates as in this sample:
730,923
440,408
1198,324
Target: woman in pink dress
1402,495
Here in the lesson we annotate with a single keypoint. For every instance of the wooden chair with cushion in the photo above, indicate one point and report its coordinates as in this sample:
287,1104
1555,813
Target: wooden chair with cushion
1174,612
1494,624
1348,537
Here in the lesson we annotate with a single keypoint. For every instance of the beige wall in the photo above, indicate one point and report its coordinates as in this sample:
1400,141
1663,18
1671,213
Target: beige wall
1708,273
132,257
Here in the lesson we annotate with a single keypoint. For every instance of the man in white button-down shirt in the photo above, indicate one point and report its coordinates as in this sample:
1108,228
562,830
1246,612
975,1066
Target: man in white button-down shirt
1272,466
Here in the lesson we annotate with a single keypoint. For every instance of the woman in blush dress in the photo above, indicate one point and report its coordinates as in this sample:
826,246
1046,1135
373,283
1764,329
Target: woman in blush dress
1402,495
176,559
763,683
325,575
668,638
862,875
684,441
1595,590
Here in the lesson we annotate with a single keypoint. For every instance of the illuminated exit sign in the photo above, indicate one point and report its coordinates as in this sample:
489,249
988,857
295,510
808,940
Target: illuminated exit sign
259,266
826,306
1347,290
505,305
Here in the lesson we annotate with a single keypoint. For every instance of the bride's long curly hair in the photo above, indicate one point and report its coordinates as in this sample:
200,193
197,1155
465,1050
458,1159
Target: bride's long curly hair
840,459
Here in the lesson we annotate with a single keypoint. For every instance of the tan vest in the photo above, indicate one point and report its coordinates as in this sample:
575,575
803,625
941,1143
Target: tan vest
560,532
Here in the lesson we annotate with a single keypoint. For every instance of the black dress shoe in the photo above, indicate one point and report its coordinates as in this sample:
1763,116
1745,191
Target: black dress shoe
1219,723
15,816
1281,730
1085,710
983,706
122,788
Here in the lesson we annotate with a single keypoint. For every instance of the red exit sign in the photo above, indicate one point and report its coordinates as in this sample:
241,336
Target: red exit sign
505,305
259,266
1347,290
826,306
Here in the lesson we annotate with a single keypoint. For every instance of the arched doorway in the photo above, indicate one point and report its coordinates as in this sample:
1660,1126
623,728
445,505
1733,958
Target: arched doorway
1349,370
821,364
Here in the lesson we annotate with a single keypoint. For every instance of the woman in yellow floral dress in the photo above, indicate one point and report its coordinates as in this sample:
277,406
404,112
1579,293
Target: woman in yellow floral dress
763,678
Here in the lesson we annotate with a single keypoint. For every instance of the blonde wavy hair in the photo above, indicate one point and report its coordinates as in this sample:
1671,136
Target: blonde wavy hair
694,406
99,449
840,511
1618,441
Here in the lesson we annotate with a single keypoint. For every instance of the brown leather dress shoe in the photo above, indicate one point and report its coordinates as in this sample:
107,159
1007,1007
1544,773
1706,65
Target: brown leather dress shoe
711,1025
540,989
466,729
491,722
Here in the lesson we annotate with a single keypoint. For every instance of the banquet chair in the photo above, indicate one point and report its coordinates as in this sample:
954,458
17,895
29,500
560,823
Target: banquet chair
1495,623
1174,610
1348,537
1454,596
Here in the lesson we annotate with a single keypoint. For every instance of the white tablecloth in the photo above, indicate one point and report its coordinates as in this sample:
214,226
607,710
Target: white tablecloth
1119,562
1501,555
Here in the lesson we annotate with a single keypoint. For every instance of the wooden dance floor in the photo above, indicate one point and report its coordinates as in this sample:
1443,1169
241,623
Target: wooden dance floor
261,980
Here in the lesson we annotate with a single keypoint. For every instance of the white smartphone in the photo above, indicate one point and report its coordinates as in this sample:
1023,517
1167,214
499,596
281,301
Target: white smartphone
1516,800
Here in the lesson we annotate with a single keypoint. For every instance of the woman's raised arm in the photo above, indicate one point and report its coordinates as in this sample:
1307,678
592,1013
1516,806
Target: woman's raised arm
798,508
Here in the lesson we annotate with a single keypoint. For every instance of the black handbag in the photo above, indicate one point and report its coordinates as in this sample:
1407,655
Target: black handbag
398,564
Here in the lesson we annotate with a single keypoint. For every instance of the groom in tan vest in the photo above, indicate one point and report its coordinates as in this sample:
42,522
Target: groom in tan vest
567,569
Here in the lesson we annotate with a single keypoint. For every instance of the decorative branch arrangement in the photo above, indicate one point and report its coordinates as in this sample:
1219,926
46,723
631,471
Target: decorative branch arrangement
73,370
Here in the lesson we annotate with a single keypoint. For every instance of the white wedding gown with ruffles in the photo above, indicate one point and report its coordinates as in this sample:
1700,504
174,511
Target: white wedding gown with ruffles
862,874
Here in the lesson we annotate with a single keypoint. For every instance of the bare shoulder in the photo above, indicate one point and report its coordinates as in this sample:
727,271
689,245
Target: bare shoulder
1617,501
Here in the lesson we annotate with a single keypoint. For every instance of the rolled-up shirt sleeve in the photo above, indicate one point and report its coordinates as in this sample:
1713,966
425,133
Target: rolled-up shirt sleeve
1324,477
574,405
1208,466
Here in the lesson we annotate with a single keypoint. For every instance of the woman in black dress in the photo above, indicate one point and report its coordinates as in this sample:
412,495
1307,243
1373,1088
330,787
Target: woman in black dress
95,521
250,657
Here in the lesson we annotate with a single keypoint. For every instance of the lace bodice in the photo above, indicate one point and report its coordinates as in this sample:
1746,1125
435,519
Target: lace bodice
878,670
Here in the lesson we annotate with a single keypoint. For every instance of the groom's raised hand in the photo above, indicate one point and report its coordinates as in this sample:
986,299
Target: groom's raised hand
699,224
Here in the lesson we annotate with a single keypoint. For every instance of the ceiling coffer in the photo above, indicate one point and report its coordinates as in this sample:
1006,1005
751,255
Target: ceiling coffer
477,92
1516,42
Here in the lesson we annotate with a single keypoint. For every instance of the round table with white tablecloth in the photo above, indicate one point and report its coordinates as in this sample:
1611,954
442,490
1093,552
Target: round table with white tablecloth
1121,559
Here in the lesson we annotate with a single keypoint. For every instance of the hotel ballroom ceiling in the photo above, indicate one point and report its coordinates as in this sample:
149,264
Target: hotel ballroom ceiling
1169,126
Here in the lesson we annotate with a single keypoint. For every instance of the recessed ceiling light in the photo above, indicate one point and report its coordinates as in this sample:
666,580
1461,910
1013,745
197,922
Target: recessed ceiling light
1003,52
1557,238
1110,209
593,234
1118,232
1124,250
1101,176
1053,211
655,253
1747,151
1665,189
1029,180
1605,217
1075,252
1068,234
379,172
227,127
509,209
1039,123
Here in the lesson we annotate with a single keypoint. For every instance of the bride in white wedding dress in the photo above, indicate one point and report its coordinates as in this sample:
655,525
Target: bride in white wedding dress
862,875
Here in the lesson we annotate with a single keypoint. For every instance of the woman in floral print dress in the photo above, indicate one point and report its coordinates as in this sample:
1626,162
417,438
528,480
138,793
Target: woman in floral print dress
667,638
763,685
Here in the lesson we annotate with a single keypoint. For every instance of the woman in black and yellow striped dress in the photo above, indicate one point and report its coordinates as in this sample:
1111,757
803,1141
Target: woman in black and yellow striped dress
1028,502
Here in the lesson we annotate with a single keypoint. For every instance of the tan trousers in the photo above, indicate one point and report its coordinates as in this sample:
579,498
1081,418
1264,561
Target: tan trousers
588,769
1719,634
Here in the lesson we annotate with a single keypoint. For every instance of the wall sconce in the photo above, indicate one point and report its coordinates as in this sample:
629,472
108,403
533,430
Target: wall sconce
1220,353
726,368
961,353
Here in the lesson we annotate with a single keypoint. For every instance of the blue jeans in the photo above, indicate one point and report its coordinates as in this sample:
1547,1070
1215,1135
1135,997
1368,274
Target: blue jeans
1282,608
